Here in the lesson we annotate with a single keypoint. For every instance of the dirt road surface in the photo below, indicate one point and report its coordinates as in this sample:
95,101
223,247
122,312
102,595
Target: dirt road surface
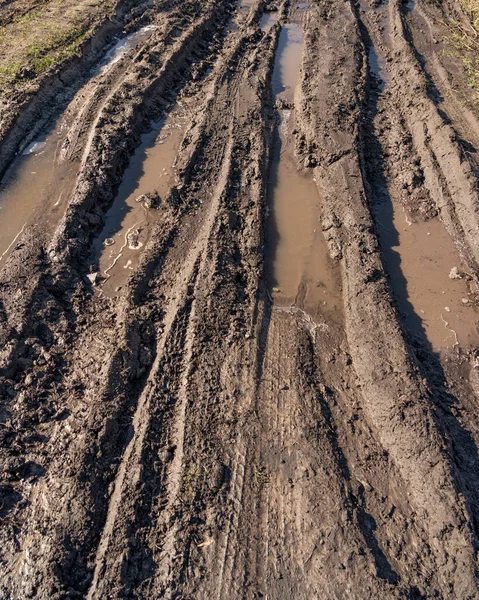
239,266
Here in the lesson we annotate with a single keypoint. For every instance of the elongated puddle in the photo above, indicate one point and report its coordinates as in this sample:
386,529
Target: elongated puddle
37,185
267,21
130,220
424,265
28,189
300,271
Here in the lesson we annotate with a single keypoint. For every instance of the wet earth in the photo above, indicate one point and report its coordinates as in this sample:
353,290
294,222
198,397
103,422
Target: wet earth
239,343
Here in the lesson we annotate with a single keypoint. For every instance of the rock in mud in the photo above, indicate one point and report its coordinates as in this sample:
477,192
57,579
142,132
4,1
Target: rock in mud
151,200
93,278
133,239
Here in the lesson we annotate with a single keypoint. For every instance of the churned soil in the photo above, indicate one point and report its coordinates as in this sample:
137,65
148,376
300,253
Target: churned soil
171,425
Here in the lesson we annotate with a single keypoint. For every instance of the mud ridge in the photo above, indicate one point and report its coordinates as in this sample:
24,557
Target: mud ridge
190,433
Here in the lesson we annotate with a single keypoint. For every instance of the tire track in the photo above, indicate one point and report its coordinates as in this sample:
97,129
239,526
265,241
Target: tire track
391,392
199,441
140,421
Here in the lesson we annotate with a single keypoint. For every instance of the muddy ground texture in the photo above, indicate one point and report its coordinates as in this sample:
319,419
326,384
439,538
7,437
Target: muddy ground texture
176,433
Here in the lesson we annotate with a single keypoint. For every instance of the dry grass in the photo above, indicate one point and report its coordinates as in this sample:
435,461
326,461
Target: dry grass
471,9
44,37
463,44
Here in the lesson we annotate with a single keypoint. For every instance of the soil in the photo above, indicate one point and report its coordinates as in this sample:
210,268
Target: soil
239,344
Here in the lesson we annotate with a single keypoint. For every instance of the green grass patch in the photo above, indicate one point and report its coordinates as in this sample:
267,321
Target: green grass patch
41,40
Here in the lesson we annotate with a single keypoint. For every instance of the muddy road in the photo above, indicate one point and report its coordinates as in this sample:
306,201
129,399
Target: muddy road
239,343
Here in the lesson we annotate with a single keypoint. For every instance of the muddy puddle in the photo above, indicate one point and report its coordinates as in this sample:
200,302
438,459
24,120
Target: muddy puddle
37,185
377,66
123,47
129,222
377,63
299,270
244,6
30,187
268,20
423,265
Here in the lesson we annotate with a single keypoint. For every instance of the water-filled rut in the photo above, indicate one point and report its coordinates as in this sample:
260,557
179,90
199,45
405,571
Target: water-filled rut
137,207
299,269
426,274
36,187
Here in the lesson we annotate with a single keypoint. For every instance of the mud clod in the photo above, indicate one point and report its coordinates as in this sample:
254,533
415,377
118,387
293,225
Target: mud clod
149,200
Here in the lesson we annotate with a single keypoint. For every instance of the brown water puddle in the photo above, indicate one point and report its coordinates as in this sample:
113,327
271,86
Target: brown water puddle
37,186
243,9
268,20
34,188
300,271
244,6
421,258
129,223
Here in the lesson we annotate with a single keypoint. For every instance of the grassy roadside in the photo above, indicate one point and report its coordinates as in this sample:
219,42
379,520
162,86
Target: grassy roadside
471,9
44,37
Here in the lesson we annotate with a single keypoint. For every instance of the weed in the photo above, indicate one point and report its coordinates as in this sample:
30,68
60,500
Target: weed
9,72
42,39
471,8
260,477
463,44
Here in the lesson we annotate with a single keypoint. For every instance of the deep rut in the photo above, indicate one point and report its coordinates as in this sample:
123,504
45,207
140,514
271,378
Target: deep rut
199,431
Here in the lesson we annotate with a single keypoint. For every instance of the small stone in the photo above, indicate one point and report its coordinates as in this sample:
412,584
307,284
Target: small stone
92,278
447,309
149,200
454,273
133,239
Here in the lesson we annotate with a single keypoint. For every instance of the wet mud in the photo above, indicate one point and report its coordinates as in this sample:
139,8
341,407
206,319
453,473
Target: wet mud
238,310
38,182
139,203
300,270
